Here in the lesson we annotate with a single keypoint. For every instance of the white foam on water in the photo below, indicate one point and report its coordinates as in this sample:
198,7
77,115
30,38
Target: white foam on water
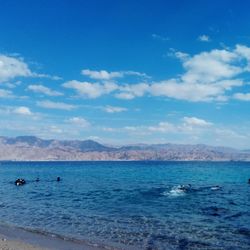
175,191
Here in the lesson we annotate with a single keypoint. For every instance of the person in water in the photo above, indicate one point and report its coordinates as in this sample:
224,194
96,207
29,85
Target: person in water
248,181
58,179
185,188
20,182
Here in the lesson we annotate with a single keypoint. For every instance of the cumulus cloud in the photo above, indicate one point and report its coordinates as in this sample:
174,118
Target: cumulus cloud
55,129
22,111
136,90
79,121
204,38
56,78
112,109
208,76
163,127
100,75
244,51
11,67
189,92
91,90
187,125
242,96
212,66
105,75
44,90
55,105
125,96
5,93
194,121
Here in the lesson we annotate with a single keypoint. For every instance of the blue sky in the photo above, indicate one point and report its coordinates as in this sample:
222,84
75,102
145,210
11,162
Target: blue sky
124,72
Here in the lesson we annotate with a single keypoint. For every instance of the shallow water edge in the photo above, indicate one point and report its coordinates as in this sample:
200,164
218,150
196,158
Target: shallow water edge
46,240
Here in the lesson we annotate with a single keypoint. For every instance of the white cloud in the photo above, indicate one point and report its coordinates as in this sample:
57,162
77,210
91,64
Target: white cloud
244,51
160,38
9,85
112,109
196,122
5,93
79,121
108,129
130,128
55,129
163,127
56,78
105,75
207,76
91,90
227,133
204,38
242,96
125,96
130,91
55,105
188,92
100,75
22,111
44,90
208,67
134,73
188,125
11,67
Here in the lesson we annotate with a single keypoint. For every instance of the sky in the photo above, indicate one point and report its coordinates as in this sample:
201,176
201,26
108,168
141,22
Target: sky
125,72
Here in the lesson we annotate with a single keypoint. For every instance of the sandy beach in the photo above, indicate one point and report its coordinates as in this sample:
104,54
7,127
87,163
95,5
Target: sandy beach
19,239
7,244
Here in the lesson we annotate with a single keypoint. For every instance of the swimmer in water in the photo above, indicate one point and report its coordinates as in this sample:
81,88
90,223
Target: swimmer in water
184,188
58,179
20,182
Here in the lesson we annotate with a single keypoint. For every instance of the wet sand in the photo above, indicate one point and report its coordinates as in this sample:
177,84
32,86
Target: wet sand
18,239
6,244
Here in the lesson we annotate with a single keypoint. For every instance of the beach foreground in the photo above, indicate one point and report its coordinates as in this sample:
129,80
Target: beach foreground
7,244
18,239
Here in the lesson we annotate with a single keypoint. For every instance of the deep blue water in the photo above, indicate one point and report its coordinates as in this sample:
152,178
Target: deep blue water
132,205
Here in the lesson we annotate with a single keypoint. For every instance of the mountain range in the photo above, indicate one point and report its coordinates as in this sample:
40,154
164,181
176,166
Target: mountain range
31,148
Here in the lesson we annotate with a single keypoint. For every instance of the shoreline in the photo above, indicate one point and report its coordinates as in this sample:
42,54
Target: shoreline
15,238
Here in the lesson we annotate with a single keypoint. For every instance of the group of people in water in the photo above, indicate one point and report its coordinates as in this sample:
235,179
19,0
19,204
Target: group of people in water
189,188
182,188
20,181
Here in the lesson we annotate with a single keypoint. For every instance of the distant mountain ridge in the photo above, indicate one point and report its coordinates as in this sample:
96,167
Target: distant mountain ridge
31,148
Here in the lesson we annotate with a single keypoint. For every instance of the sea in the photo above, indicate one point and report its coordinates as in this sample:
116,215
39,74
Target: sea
131,205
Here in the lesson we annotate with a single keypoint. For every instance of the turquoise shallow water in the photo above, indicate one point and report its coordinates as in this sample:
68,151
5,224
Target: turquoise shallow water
132,205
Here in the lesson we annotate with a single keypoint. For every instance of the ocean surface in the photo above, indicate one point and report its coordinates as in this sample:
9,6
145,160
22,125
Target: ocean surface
132,205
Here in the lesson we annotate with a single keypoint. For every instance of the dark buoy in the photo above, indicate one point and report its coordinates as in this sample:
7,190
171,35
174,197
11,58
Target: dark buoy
58,179
20,182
